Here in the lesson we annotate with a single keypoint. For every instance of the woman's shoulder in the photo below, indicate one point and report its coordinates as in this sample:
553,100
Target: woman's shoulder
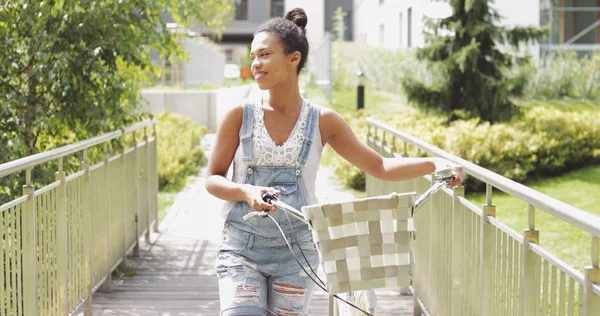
238,109
233,117
317,106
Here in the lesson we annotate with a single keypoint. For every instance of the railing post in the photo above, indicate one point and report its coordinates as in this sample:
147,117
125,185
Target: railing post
529,282
123,264
368,178
62,241
136,190
87,235
591,301
147,187
155,178
29,246
458,266
332,306
488,241
376,182
417,310
106,286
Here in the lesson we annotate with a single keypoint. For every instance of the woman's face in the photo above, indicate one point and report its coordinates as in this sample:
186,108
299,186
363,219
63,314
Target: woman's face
270,64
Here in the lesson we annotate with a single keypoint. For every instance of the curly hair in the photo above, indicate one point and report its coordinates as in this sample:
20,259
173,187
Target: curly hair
291,29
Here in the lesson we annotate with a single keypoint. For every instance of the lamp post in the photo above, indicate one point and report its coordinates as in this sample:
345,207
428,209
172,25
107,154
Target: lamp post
360,91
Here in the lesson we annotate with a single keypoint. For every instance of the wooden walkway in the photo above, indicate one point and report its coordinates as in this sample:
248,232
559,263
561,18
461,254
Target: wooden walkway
176,275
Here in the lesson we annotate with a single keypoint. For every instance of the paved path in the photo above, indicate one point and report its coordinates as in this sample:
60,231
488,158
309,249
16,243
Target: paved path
176,276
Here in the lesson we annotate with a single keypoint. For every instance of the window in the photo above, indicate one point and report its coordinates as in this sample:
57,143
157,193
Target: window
276,8
400,30
241,10
409,28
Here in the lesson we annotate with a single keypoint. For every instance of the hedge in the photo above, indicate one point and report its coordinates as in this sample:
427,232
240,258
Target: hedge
544,142
179,153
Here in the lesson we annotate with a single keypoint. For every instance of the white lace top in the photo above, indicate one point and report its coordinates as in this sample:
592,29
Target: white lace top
267,153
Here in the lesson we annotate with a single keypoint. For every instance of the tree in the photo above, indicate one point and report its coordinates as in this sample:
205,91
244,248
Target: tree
339,25
469,57
80,64
71,69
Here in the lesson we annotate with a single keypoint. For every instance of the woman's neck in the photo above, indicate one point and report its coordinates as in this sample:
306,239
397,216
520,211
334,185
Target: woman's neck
284,97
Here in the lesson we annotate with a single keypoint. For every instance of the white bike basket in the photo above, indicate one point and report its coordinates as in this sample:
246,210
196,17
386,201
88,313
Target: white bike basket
364,244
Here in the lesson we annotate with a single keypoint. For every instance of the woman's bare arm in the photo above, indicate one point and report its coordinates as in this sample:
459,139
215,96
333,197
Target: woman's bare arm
337,133
223,152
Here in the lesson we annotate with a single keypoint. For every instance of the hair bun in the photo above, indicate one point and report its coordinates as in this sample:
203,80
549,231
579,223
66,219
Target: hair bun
298,16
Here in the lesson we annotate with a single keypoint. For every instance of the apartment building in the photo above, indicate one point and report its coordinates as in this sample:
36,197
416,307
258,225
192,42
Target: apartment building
251,13
398,24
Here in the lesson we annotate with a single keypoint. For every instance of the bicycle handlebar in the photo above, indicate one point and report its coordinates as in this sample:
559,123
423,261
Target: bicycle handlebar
442,178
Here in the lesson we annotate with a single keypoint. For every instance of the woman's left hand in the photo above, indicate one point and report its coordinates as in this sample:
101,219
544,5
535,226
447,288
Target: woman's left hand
458,175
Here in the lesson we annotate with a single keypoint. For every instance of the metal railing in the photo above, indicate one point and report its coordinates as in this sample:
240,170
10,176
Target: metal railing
61,242
469,263
582,50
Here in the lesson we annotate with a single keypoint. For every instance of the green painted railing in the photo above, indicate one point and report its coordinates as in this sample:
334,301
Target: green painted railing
61,242
469,263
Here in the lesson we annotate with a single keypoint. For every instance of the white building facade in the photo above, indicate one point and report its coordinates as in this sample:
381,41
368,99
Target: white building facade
398,24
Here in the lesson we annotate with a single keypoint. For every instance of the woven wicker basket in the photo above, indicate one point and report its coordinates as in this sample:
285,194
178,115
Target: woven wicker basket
364,244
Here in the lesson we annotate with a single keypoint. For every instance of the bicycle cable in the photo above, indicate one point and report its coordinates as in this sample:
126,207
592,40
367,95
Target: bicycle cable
308,274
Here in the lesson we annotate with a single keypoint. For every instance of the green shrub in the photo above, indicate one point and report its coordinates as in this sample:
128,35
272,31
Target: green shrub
564,75
179,153
545,142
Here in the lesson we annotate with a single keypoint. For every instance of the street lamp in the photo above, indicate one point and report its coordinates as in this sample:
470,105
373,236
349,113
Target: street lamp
360,91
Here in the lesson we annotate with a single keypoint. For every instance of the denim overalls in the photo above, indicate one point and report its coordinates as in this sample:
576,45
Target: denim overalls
257,273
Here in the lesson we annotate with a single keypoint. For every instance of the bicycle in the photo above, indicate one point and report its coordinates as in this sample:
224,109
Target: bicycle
364,301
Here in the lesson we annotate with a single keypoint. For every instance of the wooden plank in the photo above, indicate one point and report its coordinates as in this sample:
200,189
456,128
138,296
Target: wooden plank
176,277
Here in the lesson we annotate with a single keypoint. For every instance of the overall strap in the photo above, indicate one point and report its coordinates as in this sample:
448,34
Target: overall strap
313,116
246,132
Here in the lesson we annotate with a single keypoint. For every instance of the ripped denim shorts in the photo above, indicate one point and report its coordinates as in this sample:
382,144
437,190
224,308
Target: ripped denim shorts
259,275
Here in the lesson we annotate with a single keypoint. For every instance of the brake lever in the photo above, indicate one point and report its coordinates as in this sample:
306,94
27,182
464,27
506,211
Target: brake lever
443,178
268,197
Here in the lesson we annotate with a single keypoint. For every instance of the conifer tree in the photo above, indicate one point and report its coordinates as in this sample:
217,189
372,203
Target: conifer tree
469,56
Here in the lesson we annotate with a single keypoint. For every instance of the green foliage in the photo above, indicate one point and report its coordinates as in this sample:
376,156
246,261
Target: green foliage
72,70
545,142
338,23
179,153
78,65
564,75
471,71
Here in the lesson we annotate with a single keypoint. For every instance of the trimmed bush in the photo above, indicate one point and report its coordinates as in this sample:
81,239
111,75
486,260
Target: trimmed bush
545,142
179,153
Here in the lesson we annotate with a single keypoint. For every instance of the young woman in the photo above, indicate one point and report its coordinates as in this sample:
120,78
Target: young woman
275,144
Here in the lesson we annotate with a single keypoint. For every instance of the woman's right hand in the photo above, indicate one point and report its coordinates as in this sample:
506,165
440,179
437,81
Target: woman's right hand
253,196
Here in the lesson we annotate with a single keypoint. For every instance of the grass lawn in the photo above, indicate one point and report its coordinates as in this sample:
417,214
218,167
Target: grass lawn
345,101
165,200
579,188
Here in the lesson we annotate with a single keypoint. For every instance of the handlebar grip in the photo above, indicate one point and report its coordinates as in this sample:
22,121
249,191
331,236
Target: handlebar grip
269,197
443,174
